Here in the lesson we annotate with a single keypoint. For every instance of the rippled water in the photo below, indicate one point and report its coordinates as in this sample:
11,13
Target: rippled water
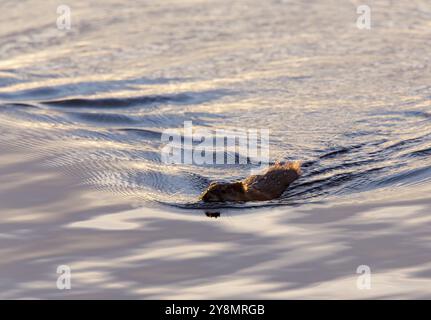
91,103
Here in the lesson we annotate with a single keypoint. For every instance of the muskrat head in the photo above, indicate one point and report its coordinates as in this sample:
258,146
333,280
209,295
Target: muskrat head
221,192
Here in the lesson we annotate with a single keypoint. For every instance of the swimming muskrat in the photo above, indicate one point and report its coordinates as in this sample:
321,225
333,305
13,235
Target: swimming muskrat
266,186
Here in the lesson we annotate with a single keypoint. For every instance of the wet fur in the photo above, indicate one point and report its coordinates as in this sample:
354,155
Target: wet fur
267,186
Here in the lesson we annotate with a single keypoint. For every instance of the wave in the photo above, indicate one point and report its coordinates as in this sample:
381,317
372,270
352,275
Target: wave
115,144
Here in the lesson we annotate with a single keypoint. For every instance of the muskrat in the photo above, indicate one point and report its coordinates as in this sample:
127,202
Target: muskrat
267,186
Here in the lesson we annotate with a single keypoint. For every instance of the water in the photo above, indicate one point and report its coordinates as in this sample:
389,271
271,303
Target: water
82,113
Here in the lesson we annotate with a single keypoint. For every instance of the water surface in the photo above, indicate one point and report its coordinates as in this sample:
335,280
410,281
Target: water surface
81,117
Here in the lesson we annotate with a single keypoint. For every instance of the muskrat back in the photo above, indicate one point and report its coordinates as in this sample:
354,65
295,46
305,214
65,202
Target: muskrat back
261,187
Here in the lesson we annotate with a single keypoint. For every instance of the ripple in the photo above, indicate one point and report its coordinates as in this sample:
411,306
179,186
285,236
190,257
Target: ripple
142,133
119,102
138,101
104,119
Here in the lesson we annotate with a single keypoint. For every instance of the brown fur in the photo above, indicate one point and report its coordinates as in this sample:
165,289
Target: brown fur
267,186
